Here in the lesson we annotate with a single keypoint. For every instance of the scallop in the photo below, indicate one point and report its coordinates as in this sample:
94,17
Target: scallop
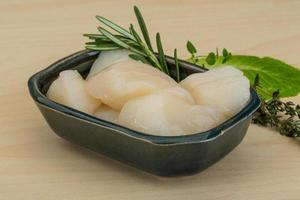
211,75
107,58
165,114
122,81
224,88
106,113
69,89
180,93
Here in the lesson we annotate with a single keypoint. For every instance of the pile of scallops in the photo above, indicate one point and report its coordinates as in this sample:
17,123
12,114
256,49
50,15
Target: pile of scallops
138,96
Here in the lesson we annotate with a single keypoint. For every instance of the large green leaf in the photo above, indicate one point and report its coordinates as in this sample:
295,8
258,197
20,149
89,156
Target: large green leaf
274,74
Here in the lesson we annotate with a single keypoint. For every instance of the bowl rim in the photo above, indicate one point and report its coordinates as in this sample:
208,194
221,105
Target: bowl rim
201,137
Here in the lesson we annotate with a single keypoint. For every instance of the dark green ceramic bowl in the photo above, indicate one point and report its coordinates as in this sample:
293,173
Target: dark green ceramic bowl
161,155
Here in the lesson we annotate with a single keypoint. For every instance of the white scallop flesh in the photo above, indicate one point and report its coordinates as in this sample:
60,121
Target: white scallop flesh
69,89
164,114
106,113
126,80
107,58
179,92
225,89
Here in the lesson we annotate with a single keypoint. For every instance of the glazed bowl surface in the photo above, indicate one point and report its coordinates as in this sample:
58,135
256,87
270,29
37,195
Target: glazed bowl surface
160,155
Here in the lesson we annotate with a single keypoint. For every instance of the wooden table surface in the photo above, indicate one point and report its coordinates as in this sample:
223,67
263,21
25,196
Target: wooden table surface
36,164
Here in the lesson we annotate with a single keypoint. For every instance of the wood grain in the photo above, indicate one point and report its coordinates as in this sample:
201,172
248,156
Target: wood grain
36,164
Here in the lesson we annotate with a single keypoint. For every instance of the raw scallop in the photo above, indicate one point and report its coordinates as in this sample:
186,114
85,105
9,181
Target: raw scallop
107,58
125,80
163,113
224,88
69,89
179,92
106,113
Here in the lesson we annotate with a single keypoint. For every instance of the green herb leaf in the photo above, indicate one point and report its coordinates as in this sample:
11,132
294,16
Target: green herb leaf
139,58
211,58
274,74
100,37
107,40
177,66
225,53
143,27
135,35
94,36
120,42
191,48
102,47
161,54
114,26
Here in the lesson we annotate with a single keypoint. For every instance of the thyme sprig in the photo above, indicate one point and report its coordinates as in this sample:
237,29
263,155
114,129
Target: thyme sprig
118,37
275,113
211,58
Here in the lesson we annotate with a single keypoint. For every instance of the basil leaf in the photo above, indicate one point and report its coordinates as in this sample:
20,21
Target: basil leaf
274,74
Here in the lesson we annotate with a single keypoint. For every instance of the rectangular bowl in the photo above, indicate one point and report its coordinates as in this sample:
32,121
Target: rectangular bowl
160,155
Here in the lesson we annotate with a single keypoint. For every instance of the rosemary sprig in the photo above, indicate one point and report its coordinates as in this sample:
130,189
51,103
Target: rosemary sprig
282,116
129,39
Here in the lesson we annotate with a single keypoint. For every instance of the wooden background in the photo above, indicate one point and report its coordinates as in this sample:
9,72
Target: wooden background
36,164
